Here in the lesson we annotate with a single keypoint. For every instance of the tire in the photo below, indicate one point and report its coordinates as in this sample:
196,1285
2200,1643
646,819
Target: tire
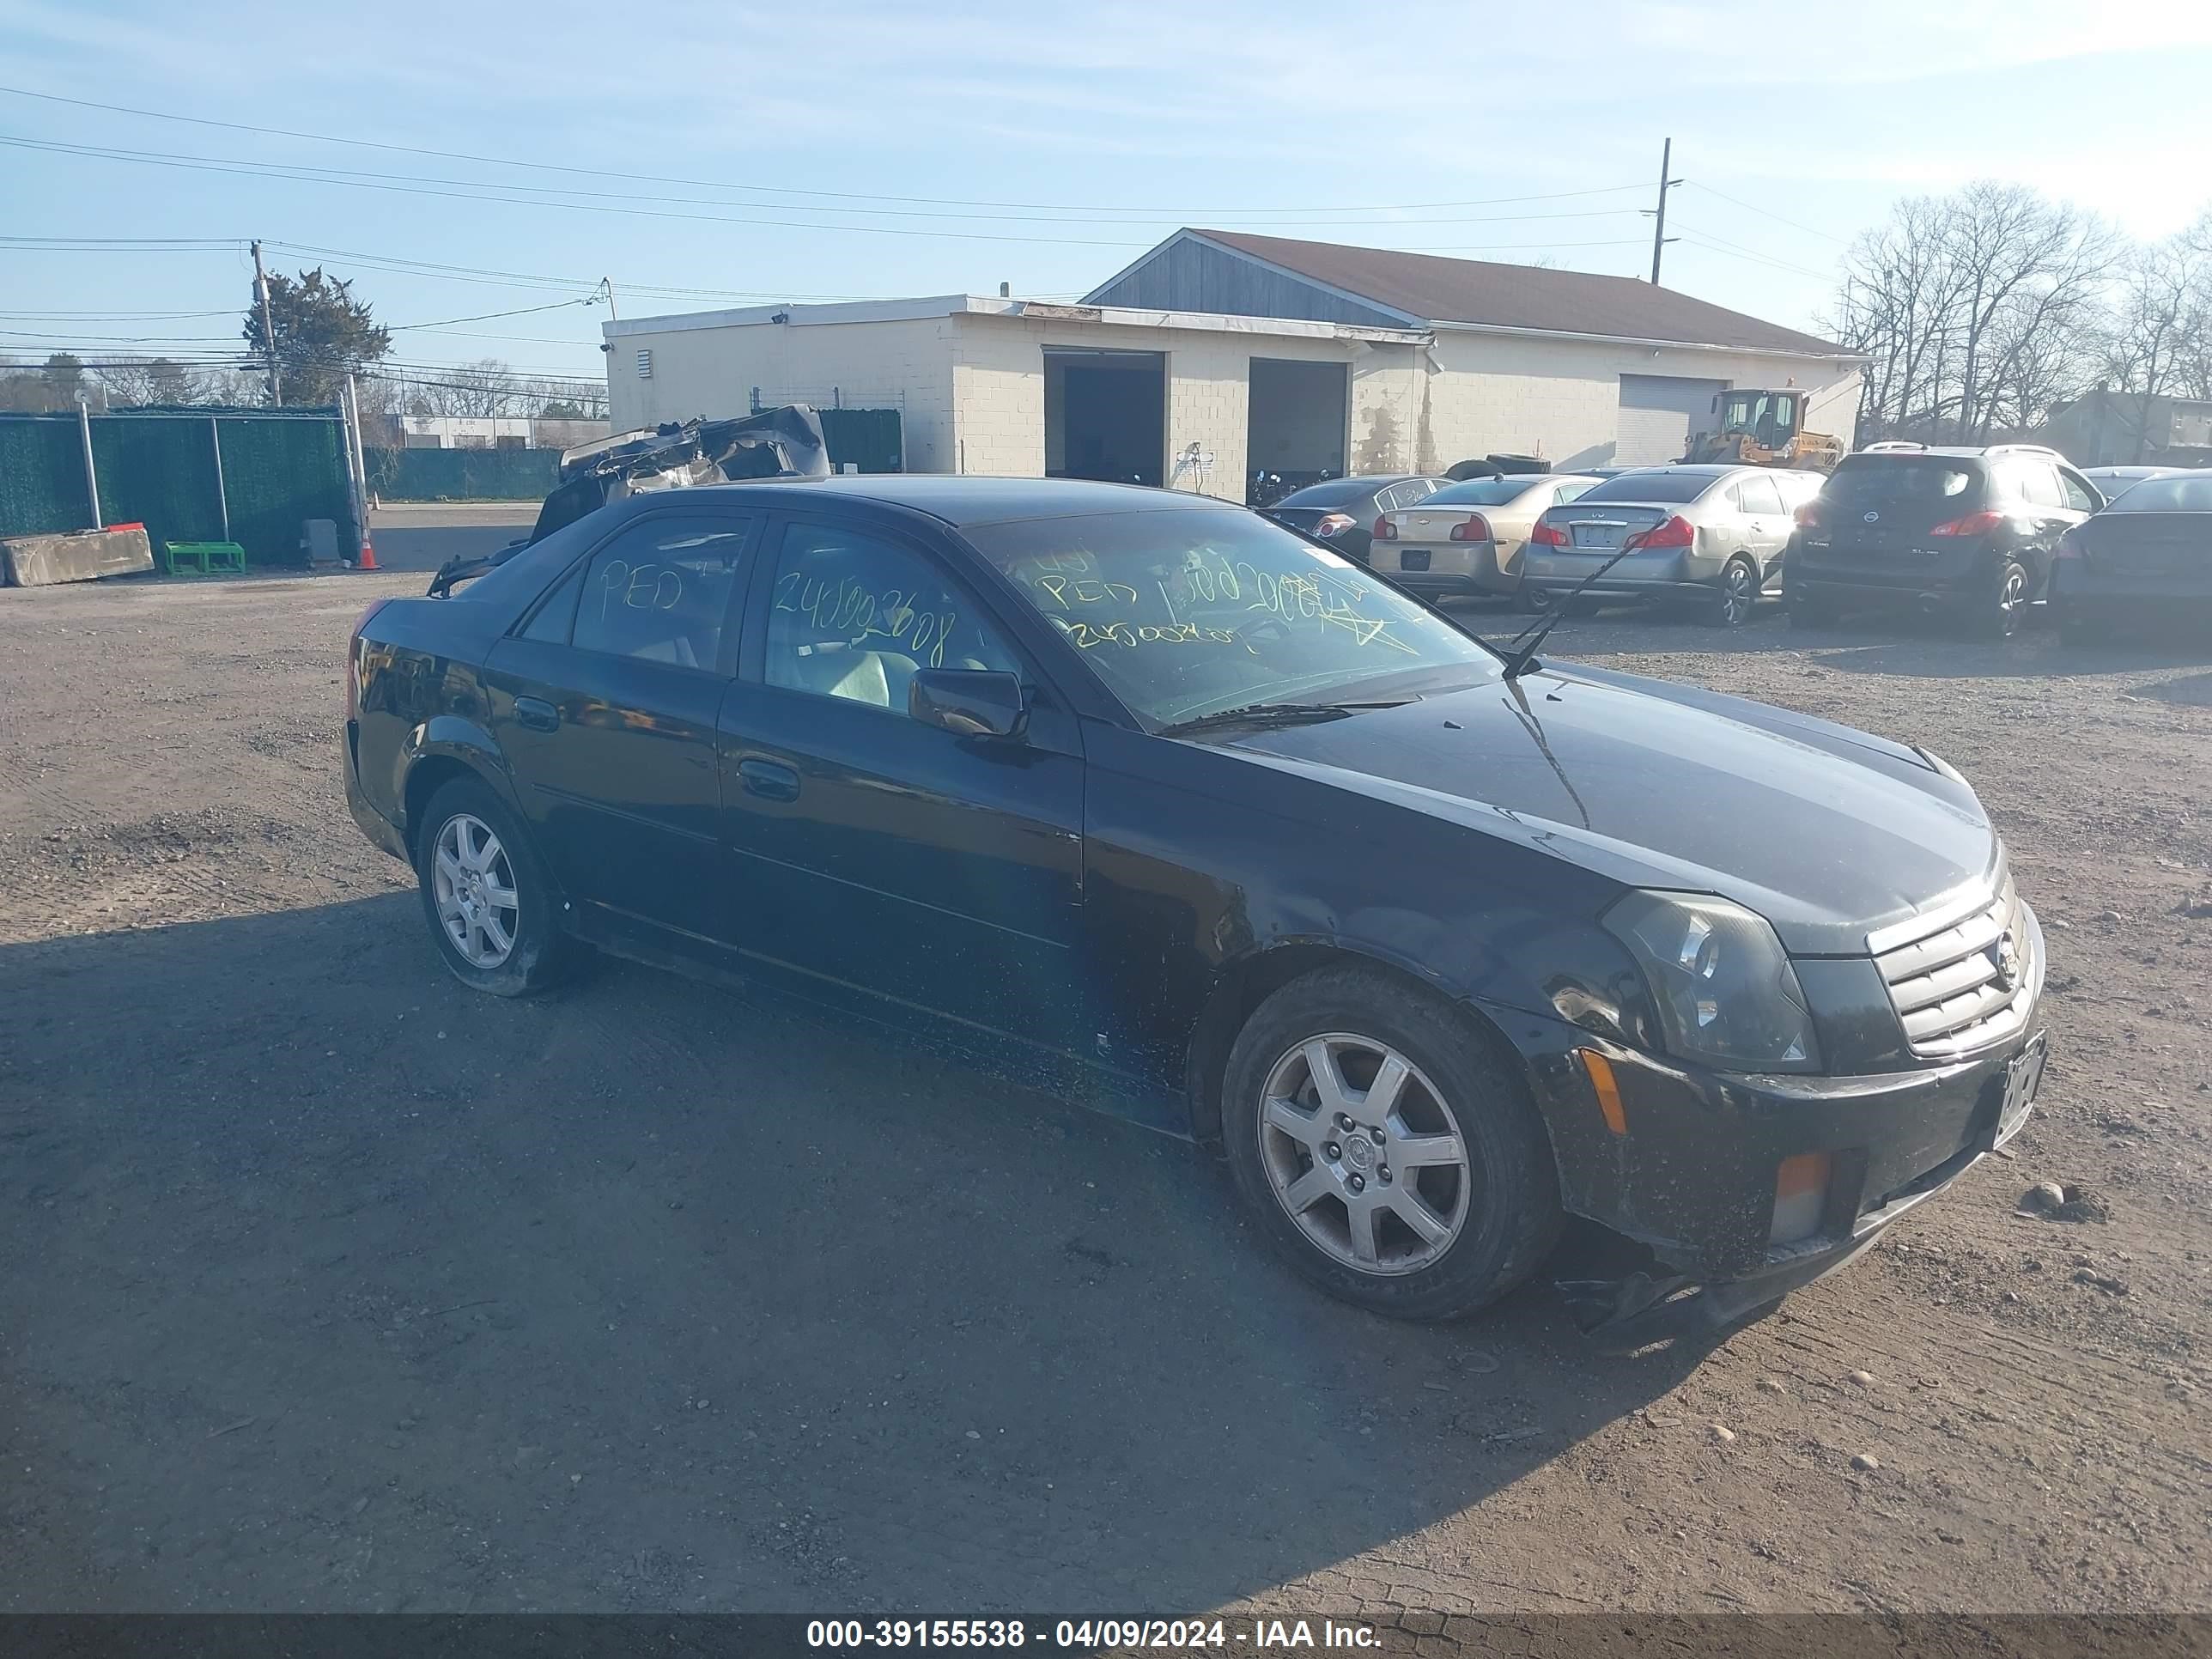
1998,614
1533,600
471,827
1735,596
1485,1221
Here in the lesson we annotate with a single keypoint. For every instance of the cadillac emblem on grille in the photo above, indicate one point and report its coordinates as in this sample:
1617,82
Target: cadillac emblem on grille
2004,956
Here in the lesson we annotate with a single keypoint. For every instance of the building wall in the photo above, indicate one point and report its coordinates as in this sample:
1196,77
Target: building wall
711,372
972,387
1187,275
998,390
1517,394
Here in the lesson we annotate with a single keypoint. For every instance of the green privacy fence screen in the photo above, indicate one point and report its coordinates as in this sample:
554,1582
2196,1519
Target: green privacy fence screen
279,468
462,475
865,438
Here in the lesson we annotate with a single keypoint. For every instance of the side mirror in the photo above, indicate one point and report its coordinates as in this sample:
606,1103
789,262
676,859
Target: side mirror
971,702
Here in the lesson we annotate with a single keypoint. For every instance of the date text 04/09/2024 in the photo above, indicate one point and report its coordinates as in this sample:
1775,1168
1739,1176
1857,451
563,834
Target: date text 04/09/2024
1092,1635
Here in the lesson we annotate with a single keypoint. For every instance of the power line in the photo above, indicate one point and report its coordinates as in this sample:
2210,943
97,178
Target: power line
209,164
779,189
1713,244
1841,241
627,205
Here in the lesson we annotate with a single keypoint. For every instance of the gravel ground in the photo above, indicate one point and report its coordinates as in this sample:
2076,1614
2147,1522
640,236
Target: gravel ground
329,1285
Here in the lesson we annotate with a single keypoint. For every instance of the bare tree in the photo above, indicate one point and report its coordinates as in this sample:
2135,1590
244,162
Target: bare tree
2153,332
1975,308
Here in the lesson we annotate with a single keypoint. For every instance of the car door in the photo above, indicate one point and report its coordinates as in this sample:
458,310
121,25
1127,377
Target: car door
2043,506
1765,523
604,704
936,870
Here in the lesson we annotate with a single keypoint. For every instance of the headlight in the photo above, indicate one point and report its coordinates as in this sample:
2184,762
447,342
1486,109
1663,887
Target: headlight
1725,991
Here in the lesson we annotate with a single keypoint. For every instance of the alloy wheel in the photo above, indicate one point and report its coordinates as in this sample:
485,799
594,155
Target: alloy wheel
1739,593
473,881
1364,1154
2012,600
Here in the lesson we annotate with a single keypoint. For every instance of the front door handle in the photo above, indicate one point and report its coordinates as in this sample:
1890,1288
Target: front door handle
770,780
537,713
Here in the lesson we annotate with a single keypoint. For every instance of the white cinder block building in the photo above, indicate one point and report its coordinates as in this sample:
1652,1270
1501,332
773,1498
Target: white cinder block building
1220,354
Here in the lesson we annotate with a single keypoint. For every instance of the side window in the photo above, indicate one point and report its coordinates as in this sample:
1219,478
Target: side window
551,620
1391,499
1566,493
2038,484
2079,494
853,614
661,590
1759,496
1413,492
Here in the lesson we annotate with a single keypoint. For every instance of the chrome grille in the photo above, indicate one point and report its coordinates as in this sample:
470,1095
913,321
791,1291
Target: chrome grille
1951,989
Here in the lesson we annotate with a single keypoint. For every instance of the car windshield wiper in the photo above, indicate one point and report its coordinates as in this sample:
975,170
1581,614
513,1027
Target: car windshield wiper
1524,655
1278,714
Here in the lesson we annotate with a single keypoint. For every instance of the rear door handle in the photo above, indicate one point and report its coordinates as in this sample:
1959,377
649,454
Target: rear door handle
537,713
770,780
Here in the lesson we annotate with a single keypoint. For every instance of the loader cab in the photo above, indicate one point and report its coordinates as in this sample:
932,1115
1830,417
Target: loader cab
1768,419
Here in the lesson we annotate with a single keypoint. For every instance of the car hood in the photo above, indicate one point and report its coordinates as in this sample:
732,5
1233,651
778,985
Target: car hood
1828,833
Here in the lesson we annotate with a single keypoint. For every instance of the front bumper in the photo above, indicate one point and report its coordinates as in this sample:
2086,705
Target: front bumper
1691,1174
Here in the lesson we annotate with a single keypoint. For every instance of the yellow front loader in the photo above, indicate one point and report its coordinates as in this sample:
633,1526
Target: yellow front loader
1766,428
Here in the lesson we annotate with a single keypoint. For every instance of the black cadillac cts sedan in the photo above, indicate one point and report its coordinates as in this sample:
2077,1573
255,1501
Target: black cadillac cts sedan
1197,819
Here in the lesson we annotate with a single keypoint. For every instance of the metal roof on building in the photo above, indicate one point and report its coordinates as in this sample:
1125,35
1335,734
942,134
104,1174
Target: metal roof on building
1427,289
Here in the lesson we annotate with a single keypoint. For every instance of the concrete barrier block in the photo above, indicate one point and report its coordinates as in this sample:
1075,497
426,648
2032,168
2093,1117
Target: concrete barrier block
76,556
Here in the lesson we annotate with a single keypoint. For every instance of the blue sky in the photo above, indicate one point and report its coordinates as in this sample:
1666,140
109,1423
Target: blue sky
849,150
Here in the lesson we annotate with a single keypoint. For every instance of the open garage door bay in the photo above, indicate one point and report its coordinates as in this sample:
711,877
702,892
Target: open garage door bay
1658,413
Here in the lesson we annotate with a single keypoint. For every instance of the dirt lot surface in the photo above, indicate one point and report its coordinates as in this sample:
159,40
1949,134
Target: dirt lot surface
324,1284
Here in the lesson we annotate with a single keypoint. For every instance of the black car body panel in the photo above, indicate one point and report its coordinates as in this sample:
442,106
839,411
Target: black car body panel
1096,902
2146,560
1879,533
1356,498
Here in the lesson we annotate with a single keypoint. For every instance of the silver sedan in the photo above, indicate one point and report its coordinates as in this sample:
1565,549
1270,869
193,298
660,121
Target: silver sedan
1466,539
1712,536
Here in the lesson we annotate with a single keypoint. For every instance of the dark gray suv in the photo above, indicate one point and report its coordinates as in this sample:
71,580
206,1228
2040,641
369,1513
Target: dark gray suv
1967,533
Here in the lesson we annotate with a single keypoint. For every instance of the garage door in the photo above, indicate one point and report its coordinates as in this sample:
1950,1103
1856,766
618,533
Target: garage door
1658,413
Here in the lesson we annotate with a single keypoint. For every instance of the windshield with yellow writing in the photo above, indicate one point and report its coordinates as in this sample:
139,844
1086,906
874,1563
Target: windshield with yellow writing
1186,611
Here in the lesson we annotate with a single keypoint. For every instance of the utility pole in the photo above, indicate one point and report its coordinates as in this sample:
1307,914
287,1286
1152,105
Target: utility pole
1666,182
608,284
268,329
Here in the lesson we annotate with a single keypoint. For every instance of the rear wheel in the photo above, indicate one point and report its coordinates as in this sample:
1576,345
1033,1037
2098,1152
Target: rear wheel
1534,600
1734,597
2003,606
486,896
1385,1153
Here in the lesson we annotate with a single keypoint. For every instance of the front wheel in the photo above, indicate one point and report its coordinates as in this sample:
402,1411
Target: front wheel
1388,1155
488,900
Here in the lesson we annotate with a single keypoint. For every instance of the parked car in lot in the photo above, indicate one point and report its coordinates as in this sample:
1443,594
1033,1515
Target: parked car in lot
1709,536
1466,540
1069,773
1967,533
1342,512
2144,562
2110,481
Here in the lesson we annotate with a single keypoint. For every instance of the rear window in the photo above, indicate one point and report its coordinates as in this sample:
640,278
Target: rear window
2183,494
1335,492
1895,480
1652,487
1482,492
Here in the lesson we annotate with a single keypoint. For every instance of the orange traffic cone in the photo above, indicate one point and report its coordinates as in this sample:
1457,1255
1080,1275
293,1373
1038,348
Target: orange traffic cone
368,559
